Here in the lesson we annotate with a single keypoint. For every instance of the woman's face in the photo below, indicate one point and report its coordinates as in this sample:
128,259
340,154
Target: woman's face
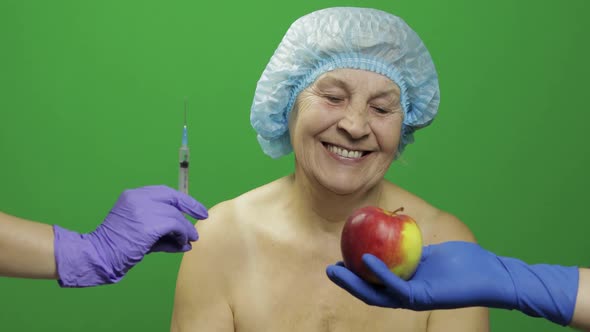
345,129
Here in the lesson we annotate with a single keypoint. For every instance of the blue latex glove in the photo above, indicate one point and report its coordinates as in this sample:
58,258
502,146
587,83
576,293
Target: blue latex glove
144,220
462,274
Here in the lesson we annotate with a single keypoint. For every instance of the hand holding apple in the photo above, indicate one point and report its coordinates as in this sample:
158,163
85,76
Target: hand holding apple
392,237
462,274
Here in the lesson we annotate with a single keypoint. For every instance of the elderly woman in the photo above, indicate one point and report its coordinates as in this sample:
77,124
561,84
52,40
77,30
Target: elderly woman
345,90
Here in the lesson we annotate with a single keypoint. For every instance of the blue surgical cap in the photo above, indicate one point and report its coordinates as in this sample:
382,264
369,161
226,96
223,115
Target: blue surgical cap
344,37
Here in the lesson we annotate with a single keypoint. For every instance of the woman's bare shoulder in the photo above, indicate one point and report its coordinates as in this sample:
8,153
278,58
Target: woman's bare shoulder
235,218
436,225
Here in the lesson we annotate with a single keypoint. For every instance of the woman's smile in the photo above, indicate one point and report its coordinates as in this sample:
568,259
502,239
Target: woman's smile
345,154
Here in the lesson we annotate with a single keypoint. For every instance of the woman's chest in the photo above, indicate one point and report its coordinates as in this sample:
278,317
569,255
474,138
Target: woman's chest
286,289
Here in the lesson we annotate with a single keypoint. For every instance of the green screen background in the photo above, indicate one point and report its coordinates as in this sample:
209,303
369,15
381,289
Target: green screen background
92,100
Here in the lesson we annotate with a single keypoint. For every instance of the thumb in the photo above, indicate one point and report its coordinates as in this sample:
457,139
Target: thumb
396,285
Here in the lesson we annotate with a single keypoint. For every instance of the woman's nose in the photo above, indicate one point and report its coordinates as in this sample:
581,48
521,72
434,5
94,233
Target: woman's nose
355,122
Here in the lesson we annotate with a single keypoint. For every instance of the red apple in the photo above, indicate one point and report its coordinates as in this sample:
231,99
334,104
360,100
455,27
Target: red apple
392,237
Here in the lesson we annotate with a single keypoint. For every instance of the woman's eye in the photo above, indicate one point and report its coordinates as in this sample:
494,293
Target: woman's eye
334,99
380,110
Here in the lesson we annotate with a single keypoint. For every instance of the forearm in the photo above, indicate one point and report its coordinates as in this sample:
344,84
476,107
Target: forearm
26,248
581,318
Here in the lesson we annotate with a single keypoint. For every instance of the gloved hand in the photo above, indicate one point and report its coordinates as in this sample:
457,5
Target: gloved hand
143,220
462,274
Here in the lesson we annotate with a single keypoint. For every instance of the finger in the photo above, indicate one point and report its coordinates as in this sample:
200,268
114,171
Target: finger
181,201
182,225
165,245
191,231
175,228
192,207
179,237
364,291
186,247
396,286
168,244
426,250
178,222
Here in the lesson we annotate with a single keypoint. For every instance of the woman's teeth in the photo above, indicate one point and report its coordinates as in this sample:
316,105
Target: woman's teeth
352,154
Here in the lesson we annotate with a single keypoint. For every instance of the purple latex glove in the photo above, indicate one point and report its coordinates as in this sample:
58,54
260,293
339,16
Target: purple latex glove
143,220
463,274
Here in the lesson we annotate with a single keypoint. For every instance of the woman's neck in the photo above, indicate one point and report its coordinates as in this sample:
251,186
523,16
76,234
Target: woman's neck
317,206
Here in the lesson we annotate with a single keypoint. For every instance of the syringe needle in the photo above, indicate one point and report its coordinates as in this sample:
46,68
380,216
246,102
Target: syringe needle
185,106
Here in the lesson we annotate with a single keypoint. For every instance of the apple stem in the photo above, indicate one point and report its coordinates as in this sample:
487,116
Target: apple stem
398,210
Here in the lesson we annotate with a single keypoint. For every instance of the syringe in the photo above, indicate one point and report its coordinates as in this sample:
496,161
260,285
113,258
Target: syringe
183,158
